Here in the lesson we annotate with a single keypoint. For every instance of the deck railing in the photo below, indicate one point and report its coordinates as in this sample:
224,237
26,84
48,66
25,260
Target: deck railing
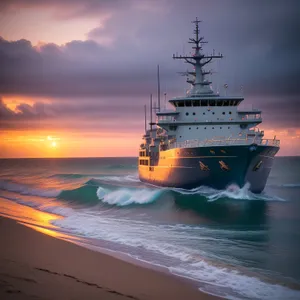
224,142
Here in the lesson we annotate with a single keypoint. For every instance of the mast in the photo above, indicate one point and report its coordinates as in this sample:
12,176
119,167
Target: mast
200,86
150,114
145,111
158,88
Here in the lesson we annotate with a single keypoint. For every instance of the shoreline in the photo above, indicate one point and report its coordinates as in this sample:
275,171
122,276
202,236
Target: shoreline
35,265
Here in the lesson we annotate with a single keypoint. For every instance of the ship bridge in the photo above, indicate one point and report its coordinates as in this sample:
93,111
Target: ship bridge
206,101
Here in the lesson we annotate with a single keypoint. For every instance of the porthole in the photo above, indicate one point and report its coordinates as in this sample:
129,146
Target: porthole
213,113
223,113
230,112
204,127
189,128
180,136
197,128
204,113
220,127
228,127
187,114
213,128
194,113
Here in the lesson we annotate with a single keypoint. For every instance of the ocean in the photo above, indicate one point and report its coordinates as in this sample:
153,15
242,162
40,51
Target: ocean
231,243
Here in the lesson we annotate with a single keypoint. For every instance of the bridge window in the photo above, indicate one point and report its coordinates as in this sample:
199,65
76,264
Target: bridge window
180,104
204,102
188,103
212,103
144,162
195,102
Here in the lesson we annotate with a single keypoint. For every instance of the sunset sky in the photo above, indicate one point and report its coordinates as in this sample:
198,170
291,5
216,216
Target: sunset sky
75,74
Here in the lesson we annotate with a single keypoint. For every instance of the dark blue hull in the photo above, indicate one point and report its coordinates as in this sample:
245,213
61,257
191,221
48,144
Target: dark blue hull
216,166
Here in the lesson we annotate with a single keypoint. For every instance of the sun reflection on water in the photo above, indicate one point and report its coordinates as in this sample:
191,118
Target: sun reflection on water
32,218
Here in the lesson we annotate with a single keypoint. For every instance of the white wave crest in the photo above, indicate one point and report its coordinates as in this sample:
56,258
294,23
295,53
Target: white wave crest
231,192
123,197
231,284
27,190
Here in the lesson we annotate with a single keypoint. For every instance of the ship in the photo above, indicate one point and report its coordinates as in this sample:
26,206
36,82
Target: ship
206,139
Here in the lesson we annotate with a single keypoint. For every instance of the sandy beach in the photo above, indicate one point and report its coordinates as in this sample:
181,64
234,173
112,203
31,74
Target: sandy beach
36,266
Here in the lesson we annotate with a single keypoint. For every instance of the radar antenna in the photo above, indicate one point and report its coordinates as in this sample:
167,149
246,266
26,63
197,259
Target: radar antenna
200,86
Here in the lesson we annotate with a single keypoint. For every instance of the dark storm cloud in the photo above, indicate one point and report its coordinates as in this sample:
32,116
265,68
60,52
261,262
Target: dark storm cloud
75,69
258,38
85,114
279,112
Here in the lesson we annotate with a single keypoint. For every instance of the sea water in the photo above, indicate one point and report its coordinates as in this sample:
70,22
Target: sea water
232,243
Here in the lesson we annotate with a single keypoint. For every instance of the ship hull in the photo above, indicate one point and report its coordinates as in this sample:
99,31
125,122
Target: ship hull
217,167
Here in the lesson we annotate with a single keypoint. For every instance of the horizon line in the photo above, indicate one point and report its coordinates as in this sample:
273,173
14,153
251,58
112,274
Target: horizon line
72,157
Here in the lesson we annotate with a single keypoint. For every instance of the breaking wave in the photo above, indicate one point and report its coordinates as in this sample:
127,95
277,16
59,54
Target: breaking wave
98,189
232,192
123,197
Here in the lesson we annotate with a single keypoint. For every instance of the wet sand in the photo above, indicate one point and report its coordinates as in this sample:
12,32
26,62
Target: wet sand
37,266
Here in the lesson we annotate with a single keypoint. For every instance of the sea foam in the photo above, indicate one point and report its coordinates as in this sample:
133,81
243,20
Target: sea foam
123,197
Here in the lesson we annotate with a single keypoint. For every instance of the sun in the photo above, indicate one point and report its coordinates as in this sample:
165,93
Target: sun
53,144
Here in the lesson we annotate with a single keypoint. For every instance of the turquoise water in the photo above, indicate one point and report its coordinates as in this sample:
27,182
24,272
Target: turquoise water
233,243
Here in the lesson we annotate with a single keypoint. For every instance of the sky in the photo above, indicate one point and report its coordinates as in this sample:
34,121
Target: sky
75,74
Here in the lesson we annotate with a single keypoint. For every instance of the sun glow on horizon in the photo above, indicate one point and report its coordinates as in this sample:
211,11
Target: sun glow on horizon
47,144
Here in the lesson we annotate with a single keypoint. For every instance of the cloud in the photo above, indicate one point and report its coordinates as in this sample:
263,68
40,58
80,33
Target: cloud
68,9
81,116
111,74
258,40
